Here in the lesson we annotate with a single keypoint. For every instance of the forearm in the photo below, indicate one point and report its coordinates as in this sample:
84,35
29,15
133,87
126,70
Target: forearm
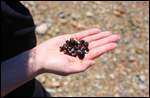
17,71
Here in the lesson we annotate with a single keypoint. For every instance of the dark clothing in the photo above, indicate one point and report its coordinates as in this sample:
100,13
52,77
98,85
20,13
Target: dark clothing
17,29
17,36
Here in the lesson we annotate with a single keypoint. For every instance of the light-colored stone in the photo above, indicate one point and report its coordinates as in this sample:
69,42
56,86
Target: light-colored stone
52,84
89,14
41,29
142,86
131,58
142,77
131,91
98,77
112,76
135,85
50,90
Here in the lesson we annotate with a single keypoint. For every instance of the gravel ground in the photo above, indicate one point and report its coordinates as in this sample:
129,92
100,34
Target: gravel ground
122,72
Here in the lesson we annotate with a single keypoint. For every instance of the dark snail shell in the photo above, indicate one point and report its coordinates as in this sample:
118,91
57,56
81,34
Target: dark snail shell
81,54
67,42
65,46
82,42
86,44
61,48
86,50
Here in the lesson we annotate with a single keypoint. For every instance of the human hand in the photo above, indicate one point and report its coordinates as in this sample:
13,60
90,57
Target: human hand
49,59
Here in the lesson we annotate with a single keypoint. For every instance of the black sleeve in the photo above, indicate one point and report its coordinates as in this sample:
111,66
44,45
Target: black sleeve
17,36
17,29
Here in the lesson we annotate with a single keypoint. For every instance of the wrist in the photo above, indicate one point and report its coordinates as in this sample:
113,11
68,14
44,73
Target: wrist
33,62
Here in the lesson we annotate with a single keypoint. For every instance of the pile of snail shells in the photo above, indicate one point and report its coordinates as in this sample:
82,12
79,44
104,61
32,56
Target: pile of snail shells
75,48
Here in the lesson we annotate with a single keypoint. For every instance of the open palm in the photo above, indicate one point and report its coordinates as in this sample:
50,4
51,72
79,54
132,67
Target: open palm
52,60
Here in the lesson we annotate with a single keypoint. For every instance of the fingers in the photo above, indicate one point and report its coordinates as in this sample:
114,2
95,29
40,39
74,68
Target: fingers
109,39
96,52
86,33
97,36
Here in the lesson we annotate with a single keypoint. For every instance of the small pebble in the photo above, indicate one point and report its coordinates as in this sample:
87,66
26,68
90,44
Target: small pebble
89,14
142,86
112,76
84,74
41,29
98,77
